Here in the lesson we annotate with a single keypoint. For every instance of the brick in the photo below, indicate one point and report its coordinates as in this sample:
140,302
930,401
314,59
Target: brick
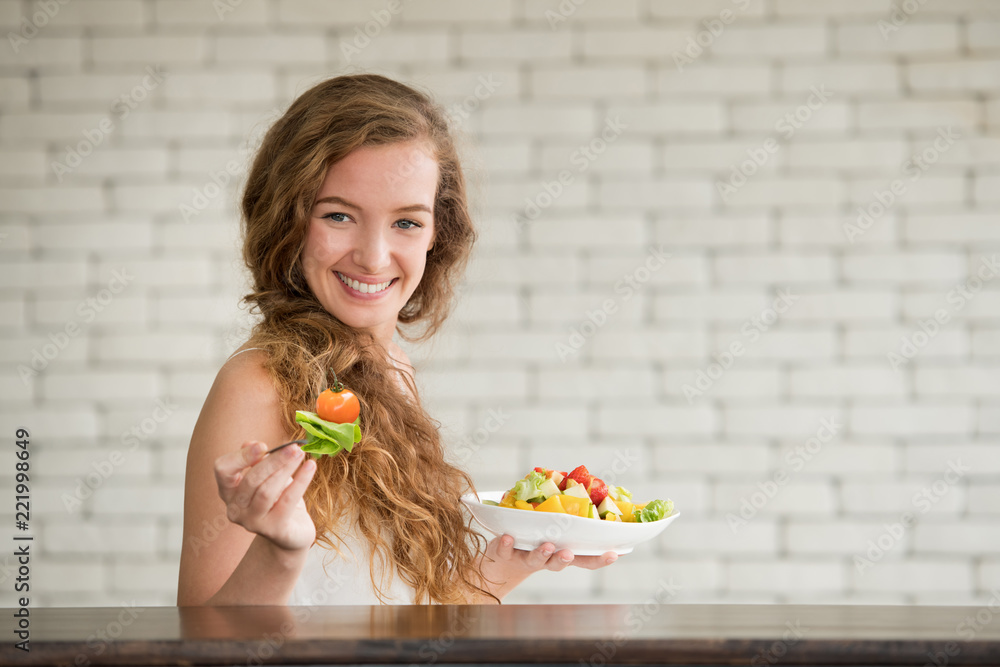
796,421
44,51
962,536
220,87
710,155
670,118
794,117
197,13
164,50
964,227
298,49
23,165
693,9
986,343
786,576
599,157
488,307
981,381
473,384
149,349
606,271
595,232
165,125
858,304
966,75
933,189
470,86
983,34
695,536
146,500
538,268
394,45
28,274
847,381
159,272
607,43
664,194
99,385
15,93
870,460
847,538
711,80
849,77
985,189
643,345
599,307
763,191
531,45
780,41
550,13
848,9
934,459
918,114
710,459
341,13
85,538
867,155
784,269
661,419
646,578
99,306
133,578
71,577
914,419
917,576
735,231
903,268
911,495
546,120
819,229
595,383
914,37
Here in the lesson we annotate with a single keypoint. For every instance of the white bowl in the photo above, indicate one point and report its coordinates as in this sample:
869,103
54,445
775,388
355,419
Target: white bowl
584,537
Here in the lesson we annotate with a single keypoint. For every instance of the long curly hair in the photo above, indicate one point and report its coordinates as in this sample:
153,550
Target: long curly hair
396,481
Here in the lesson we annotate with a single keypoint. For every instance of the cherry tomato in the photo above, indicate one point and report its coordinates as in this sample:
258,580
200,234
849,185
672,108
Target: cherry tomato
337,404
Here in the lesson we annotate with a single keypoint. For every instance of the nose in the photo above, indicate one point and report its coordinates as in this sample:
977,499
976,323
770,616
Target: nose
371,251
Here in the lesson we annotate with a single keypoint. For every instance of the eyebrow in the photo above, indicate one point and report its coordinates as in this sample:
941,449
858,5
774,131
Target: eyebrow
333,199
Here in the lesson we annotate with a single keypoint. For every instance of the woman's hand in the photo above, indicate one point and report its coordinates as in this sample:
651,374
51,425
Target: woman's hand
264,493
507,567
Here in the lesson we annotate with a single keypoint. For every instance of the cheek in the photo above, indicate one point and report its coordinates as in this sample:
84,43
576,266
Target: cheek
317,249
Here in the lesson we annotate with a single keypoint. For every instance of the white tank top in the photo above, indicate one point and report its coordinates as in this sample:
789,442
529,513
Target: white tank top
346,578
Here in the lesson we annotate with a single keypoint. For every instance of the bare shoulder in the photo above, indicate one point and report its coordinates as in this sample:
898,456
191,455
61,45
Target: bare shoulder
242,405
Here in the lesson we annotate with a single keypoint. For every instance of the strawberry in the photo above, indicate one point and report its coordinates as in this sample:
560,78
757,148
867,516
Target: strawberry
546,471
598,490
580,475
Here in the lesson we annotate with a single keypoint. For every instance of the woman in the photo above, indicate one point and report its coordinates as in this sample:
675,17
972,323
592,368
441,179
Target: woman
355,222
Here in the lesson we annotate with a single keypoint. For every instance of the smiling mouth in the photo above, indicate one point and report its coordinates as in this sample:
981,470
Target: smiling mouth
365,288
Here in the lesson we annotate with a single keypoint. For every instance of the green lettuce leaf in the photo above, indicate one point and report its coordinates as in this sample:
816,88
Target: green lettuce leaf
654,511
325,437
527,489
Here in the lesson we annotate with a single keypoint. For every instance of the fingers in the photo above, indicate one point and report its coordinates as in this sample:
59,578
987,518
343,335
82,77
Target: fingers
292,495
229,467
505,547
595,562
265,483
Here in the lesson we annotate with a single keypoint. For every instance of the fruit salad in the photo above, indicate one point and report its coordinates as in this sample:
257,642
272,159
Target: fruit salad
580,494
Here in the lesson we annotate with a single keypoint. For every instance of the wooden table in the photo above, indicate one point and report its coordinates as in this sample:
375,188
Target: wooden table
596,635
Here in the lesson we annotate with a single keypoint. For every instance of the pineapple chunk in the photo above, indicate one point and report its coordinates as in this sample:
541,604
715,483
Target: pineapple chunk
575,506
611,516
522,505
553,504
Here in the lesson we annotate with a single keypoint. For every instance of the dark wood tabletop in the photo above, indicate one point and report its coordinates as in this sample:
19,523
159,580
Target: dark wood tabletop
595,635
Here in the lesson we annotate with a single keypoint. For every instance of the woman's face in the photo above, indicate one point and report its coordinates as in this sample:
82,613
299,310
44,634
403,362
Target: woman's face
371,226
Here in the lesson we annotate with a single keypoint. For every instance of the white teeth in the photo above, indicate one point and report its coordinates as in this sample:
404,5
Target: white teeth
364,288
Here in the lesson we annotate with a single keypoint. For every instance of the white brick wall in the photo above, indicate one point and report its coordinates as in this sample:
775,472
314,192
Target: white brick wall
687,126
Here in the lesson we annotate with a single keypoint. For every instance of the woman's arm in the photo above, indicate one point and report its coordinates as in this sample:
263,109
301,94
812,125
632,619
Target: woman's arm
250,547
505,567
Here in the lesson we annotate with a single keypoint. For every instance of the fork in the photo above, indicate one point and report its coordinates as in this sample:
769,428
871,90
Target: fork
293,442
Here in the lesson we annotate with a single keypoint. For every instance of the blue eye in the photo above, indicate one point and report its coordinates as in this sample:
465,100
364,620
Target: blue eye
330,216
409,222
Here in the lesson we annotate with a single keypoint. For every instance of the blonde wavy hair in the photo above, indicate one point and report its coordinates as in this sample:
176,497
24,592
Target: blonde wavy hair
396,478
